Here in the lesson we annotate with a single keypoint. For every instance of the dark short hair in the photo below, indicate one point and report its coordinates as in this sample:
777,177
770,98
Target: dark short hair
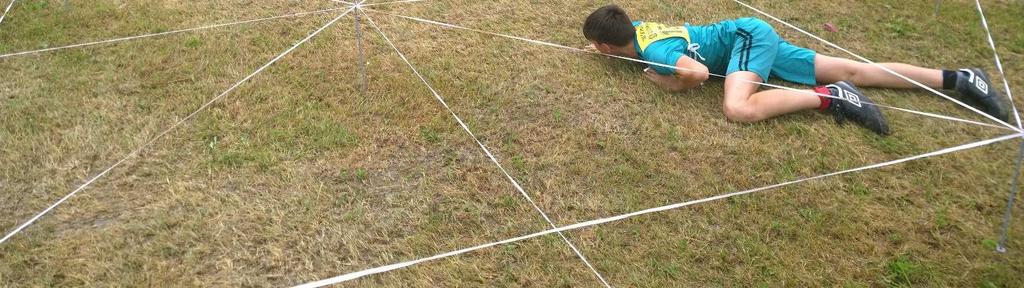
609,25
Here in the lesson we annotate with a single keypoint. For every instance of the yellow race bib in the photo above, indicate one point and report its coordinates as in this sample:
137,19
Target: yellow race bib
649,32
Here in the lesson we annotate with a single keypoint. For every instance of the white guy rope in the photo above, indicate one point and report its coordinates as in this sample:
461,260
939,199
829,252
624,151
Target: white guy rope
172,127
999,63
542,43
8,9
1008,215
386,268
894,73
168,32
391,2
486,150
379,3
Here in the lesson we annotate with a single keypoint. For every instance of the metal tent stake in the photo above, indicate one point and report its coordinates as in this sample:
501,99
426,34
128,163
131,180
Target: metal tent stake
1001,247
359,52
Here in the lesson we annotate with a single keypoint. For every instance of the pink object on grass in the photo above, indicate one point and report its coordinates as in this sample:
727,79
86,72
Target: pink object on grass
831,28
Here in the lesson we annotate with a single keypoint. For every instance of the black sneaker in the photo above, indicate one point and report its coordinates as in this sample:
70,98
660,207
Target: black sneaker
974,84
856,107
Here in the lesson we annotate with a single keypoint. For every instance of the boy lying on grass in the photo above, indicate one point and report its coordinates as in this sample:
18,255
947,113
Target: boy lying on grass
748,51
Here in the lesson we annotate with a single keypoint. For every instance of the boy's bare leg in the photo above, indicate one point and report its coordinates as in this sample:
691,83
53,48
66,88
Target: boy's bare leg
744,104
829,69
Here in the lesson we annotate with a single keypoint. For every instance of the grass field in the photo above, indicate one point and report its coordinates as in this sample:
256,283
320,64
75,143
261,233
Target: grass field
297,176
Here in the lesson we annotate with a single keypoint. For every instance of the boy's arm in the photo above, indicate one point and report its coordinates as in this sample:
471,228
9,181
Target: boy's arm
689,74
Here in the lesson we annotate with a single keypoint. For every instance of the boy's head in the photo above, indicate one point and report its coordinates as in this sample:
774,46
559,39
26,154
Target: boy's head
609,28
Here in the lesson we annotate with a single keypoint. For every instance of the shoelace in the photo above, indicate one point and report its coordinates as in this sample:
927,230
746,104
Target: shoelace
693,47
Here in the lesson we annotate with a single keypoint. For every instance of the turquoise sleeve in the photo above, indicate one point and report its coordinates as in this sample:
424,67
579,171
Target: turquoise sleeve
661,53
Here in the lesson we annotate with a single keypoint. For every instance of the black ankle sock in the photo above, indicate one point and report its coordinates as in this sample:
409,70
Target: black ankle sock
949,79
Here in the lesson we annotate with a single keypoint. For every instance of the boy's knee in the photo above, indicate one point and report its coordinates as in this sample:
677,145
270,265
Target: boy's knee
854,72
861,74
741,112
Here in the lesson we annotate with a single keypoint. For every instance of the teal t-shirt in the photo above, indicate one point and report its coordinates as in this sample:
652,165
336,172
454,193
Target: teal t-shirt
665,51
713,51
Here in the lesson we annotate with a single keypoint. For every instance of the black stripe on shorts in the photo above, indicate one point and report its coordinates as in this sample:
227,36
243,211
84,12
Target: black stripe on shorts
744,64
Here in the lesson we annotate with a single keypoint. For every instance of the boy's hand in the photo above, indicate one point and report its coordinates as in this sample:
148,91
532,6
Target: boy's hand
651,74
659,79
590,48
667,82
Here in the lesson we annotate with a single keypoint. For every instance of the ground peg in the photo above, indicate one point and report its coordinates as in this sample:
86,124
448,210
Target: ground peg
1001,247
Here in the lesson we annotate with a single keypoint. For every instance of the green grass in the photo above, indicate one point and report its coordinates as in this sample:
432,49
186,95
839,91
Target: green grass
298,176
903,272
